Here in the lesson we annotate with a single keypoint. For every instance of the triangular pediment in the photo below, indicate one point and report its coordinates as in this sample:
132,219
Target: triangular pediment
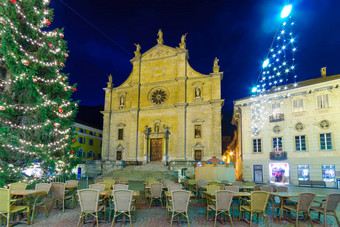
160,51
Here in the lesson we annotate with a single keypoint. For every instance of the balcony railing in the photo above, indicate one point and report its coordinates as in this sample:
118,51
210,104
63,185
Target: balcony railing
278,155
276,117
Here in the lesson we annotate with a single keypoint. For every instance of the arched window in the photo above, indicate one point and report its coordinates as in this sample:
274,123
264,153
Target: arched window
90,154
81,153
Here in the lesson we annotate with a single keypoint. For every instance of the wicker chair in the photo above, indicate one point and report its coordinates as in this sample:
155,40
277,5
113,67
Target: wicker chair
112,182
179,204
17,186
274,187
88,199
200,184
258,187
258,202
281,189
107,178
232,188
72,183
267,189
167,182
237,183
7,208
223,200
303,206
108,185
213,188
96,181
174,187
224,182
40,200
123,204
328,206
58,194
123,181
156,193
212,183
249,184
120,186
99,187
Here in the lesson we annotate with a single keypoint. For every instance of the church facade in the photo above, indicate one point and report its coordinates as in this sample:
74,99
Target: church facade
165,111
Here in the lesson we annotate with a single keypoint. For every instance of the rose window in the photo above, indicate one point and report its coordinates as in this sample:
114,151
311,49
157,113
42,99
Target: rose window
158,97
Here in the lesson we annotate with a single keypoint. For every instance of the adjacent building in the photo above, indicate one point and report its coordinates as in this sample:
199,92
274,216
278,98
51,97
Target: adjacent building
165,111
89,141
299,139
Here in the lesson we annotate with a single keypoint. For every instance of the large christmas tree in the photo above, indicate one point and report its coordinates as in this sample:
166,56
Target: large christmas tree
36,111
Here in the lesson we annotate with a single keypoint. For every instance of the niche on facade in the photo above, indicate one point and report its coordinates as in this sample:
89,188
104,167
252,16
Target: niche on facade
122,100
198,125
324,124
197,152
119,152
198,90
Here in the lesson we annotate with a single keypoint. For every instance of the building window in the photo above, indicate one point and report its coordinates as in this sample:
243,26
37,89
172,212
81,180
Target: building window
120,134
81,130
100,144
91,133
90,154
255,113
276,108
300,143
81,153
303,172
91,142
298,105
100,135
256,145
328,173
323,101
99,156
326,141
198,131
277,144
81,140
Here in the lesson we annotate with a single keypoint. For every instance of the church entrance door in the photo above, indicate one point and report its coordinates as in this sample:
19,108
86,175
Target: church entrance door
156,151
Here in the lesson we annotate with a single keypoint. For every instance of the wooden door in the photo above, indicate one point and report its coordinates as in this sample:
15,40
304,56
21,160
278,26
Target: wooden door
156,150
198,155
119,155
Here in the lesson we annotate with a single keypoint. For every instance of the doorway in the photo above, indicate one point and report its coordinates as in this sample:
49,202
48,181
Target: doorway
258,173
156,150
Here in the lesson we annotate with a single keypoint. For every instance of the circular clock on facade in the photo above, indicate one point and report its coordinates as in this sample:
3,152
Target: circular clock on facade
158,96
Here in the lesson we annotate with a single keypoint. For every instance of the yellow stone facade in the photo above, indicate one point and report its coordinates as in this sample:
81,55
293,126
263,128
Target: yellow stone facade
159,107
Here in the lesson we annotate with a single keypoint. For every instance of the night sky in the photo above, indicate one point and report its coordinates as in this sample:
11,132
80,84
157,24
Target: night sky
238,32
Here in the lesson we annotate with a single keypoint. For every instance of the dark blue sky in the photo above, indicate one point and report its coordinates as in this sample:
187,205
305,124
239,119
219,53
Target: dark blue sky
238,32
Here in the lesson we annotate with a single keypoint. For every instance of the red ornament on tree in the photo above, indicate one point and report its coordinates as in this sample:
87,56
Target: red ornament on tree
74,89
51,45
48,22
25,62
66,55
61,64
13,1
73,140
61,35
35,80
72,151
56,124
60,110
2,108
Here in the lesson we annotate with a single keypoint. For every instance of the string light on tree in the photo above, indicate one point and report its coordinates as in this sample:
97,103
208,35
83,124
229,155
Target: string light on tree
278,71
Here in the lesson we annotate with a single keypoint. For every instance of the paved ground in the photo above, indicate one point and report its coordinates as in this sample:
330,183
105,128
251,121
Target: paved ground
155,216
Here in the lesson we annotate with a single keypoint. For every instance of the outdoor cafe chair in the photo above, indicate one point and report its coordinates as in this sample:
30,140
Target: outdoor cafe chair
303,206
237,183
71,183
99,187
200,184
17,186
123,204
328,207
120,186
267,189
179,204
58,194
258,187
7,206
156,193
40,200
213,188
96,181
108,185
256,205
232,188
88,199
276,202
225,182
174,187
107,178
223,200
281,189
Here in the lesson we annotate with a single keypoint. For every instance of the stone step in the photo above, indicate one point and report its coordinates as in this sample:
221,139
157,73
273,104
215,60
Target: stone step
147,167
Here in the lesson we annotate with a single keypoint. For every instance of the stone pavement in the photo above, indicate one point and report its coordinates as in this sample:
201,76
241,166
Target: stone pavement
155,216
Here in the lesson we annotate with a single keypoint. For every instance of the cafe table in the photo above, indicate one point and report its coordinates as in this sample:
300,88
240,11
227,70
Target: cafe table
73,189
246,188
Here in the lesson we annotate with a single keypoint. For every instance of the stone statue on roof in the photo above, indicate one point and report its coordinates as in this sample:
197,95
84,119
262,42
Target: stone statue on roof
160,37
137,52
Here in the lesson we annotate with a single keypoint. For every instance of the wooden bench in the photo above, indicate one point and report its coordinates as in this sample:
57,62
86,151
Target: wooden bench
313,183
